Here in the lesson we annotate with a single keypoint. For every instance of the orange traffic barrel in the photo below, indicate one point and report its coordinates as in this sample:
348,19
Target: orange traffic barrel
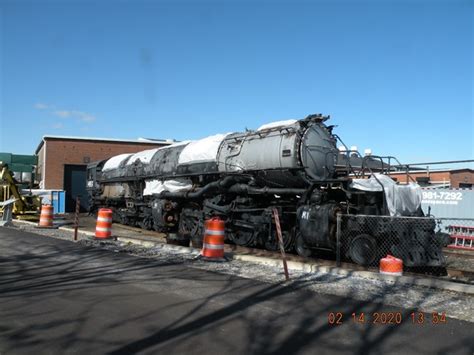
46,216
103,227
213,244
391,265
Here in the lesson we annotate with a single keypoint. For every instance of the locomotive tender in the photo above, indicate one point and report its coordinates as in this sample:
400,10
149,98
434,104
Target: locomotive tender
289,165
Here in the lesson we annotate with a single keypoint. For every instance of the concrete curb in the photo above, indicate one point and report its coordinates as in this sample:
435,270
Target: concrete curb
64,228
403,280
158,245
314,267
300,266
24,222
69,229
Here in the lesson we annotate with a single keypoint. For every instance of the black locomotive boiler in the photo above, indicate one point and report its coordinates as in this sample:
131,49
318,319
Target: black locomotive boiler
292,165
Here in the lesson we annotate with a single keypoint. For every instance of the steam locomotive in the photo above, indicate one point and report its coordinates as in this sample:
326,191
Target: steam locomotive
293,166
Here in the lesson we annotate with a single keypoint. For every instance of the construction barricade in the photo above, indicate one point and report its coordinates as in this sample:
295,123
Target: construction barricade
391,265
46,217
103,227
213,244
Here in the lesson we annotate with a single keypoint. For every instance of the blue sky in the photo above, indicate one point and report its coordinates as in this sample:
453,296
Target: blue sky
396,76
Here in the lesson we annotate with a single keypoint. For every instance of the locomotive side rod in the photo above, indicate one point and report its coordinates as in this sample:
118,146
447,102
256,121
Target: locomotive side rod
280,241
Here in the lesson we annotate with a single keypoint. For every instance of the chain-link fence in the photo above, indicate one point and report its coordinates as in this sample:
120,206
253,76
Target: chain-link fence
423,243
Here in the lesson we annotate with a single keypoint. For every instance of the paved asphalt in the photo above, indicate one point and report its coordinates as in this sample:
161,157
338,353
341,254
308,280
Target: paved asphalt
57,297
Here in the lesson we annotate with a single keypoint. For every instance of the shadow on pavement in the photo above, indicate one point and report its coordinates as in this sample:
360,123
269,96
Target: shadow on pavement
58,297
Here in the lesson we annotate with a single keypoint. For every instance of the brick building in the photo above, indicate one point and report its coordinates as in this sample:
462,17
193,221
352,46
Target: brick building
62,160
456,178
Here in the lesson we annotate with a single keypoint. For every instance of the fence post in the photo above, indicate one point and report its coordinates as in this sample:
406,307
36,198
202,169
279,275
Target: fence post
280,241
338,240
76,217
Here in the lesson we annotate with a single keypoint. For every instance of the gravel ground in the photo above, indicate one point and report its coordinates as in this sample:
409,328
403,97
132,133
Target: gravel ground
459,262
455,305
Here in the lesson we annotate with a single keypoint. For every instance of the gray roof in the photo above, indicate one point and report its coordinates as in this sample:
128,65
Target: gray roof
135,141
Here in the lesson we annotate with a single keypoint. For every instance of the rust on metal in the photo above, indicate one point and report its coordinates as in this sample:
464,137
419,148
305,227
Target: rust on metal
280,241
76,217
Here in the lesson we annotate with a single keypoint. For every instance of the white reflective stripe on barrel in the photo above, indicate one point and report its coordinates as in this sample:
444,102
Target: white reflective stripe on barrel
46,219
102,229
47,213
104,219
213,232
394,273
213,246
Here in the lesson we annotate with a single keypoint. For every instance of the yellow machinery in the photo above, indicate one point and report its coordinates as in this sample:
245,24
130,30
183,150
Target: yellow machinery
25,206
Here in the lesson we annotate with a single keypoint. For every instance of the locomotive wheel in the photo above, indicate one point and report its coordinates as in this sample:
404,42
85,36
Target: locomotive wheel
273,244
243,238
196,242
362,249
124,220
146,223
190,225
301,247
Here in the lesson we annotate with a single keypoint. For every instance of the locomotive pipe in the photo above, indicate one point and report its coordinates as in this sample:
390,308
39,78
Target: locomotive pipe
221,209
242,188
209,188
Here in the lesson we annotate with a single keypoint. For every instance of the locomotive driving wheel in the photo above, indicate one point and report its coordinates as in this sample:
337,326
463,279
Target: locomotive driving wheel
362,249
271,243
243,237
301,247
190,224
146,223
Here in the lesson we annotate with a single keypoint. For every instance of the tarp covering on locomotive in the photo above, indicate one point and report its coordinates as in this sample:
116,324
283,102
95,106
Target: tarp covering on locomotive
155,186
114,167
276,124
290,152
114,162
137,163
202,150
157,161
401,199
144,156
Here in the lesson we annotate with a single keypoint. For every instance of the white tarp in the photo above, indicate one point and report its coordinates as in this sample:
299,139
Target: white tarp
114,162
401,199
144,156
157,186
276,124
177,144
202,150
